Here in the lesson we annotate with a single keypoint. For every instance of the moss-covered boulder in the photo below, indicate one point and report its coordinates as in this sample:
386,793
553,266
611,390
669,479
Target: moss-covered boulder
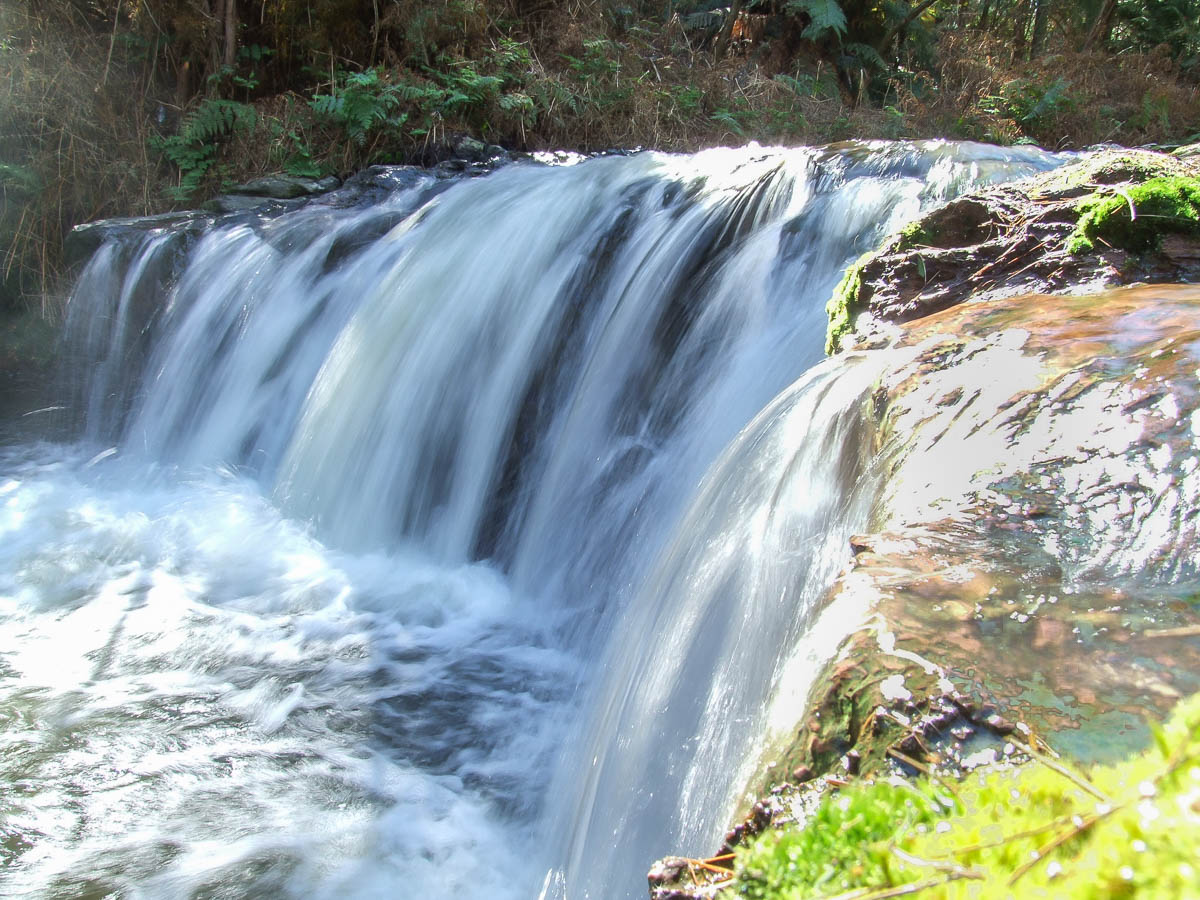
1114,217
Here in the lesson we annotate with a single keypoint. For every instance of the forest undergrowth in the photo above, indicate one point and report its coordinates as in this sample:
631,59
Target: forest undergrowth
137,107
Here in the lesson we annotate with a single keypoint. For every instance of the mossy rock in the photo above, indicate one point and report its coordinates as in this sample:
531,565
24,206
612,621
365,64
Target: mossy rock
843,306
1069,230
1136,218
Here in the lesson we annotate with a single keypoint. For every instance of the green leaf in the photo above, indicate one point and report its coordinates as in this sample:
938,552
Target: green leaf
825,16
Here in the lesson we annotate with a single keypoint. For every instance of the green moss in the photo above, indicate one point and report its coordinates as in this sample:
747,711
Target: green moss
1110,168
1129,830
914,234
1136,217
843,306
844,844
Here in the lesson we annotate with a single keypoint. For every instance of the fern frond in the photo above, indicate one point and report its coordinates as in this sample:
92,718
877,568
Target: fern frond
824,15
868,57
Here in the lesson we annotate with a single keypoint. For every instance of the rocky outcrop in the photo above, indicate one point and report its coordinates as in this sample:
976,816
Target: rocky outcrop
1033,572
1035,235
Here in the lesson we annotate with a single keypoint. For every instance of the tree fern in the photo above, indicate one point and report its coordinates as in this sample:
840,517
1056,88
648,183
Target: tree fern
825,16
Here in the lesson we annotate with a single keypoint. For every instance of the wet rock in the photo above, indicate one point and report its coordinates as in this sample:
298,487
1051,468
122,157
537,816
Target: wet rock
232,203
83,240
287,187
1008,240
666,870
999,724
1072,418
471,150
851,762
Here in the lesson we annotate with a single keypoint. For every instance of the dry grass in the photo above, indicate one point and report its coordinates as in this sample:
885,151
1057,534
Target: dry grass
74,122
983,93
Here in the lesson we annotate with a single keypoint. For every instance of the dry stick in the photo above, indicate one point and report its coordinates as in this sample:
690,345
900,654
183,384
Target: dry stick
720,870
1079,780
12,250
1040,854
1008,838
901,890
926,770
111,41
1186,631
962,871
1129,200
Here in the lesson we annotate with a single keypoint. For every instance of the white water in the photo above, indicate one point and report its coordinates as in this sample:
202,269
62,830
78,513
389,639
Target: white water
418,550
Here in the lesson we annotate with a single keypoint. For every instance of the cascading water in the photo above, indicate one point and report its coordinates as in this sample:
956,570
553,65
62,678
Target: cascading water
451,544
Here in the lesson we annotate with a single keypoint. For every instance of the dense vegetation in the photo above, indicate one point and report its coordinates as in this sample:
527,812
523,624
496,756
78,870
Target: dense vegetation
1043,830
130,107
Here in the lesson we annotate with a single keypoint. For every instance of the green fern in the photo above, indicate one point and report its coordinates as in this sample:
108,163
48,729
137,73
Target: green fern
18,180
824,15
866,56
804,86
216,119
194,149
360,103
519,103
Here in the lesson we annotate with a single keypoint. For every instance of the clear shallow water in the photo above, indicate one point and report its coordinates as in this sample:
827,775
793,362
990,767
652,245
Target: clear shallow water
453,545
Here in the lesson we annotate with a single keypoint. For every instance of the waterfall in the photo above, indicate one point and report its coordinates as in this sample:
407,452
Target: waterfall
445,539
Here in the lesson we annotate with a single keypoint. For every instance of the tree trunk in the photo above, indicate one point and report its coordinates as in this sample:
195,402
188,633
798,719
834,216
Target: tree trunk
1021,28
982,27
1041,21
727,30
1102,28
231,46
901,27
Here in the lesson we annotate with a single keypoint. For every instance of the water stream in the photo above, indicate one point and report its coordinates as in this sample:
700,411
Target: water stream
452,544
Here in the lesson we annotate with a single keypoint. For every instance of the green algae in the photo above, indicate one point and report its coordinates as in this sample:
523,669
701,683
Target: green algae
844,305
1134,218
1040,830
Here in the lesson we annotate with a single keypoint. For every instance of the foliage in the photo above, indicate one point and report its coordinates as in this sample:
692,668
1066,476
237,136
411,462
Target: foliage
194,149
1173,23
1136,218
825,17
362,102
106,108
1031,102
843,845
1043,830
